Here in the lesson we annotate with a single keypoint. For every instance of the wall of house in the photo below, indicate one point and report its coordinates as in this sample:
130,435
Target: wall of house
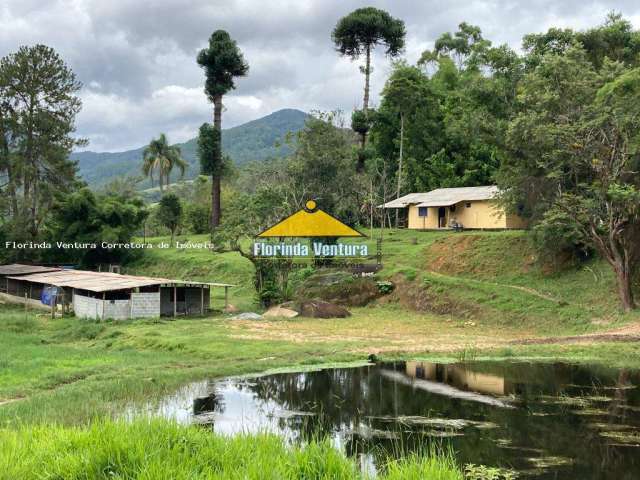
417,222
481,214
145,305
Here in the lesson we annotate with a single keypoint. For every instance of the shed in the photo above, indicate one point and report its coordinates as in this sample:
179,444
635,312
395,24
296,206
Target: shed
104,295
16,270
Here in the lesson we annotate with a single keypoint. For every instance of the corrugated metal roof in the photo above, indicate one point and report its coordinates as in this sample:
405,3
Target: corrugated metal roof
102,281
19,269
444,197
93,281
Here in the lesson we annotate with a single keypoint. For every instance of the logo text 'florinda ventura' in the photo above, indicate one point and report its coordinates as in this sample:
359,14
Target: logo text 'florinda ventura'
319,249
315,224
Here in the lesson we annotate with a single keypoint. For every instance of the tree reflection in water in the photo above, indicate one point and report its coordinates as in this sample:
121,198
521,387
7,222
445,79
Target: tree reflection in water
550,420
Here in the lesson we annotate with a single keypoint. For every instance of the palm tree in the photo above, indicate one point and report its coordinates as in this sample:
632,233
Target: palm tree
222,61
162,158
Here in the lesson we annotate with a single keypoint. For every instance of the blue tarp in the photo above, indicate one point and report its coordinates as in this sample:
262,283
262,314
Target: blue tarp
49,295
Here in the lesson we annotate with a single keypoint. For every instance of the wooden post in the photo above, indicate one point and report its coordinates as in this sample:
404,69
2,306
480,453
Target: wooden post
201,299
175,301
104,297
226,297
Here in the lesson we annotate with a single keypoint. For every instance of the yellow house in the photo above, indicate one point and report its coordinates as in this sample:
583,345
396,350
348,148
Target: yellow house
466,207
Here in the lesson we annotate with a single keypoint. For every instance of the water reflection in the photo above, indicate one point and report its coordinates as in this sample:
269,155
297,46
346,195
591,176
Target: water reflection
547,421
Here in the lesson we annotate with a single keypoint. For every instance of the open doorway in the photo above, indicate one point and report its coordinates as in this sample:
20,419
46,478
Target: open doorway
442,217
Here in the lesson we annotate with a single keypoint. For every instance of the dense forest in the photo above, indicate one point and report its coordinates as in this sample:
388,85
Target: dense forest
556,126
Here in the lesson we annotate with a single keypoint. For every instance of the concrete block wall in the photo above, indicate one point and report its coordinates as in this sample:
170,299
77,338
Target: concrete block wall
87,307
117,309
145,305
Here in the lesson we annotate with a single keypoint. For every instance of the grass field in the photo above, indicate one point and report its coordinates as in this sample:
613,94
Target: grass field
481,295
159,450
484,292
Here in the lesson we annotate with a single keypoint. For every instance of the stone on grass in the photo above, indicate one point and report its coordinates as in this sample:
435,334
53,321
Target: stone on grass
247,316
280,311
230,309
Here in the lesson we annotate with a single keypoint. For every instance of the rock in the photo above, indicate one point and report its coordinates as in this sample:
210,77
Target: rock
280,311
230,309
247,316
339,287
321,309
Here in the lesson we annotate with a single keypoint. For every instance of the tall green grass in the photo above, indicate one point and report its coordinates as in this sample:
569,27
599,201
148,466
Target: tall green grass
159,449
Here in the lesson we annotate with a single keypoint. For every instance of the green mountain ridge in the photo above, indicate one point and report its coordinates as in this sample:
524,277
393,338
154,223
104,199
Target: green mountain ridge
255,140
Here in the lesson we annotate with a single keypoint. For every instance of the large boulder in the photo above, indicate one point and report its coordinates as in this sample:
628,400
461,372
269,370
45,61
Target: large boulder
338,287
321,309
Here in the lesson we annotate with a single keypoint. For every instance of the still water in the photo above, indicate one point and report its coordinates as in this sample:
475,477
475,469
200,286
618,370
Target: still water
545,421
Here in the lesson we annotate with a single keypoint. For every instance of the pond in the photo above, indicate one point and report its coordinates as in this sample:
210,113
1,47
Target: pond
543,420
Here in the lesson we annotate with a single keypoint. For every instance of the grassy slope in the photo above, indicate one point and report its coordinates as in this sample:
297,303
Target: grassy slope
161,450
489,277
500,272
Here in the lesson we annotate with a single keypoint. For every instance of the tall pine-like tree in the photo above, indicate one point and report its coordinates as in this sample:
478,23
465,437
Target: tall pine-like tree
222,61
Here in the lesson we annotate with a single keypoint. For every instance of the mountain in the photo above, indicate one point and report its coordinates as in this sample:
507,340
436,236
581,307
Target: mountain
256,140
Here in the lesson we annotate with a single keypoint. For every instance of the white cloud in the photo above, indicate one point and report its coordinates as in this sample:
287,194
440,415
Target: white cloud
137,59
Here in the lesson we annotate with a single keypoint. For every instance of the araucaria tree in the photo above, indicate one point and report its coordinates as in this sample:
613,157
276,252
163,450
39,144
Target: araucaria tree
38,106
162,158
222,62
359,33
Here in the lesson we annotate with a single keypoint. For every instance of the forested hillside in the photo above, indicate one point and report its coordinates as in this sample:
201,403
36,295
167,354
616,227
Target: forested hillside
256,140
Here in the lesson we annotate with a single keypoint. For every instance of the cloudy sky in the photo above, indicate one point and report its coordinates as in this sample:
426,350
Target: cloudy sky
136,58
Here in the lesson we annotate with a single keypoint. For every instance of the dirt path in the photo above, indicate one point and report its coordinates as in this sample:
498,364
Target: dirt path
529,290
628,333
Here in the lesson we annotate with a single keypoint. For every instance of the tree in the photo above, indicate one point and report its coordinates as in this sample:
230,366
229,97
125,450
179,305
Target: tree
466,45
322,167
84,217
450,120
406,90
575,156
38,106
605,202
214,164
360,32
222,61
162,158
169,212
615,39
